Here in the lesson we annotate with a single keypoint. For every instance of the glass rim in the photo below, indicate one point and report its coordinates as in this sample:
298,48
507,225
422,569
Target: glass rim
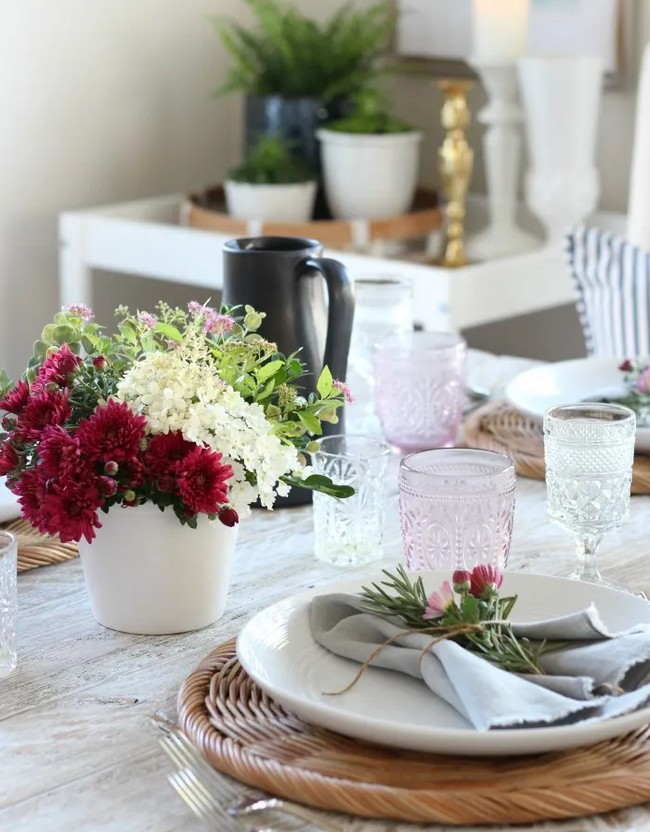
8,542
610,407
381,447
473,452
406,343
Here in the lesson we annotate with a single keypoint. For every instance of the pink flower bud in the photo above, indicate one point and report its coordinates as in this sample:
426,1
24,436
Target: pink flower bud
111,468
99,362
461,580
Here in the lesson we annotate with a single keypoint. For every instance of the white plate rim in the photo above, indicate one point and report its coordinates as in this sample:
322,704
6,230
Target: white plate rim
465,742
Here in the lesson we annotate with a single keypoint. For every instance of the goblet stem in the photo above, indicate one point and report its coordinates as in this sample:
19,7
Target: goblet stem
586,548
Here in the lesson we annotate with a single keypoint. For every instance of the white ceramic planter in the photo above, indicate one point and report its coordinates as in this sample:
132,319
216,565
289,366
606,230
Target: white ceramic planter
146,573
369,177
270,203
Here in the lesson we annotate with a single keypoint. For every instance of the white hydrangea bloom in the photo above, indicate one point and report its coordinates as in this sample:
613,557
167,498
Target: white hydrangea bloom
180,395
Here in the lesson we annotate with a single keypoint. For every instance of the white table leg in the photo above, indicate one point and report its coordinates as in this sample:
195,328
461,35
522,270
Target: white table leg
75,275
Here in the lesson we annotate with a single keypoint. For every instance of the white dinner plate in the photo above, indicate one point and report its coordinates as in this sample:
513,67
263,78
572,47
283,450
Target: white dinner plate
277,650
568,382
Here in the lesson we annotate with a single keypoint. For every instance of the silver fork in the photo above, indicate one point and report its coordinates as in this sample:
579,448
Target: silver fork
186,756
194,794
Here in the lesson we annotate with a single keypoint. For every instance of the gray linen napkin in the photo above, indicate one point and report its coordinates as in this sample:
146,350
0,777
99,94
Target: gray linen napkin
599,676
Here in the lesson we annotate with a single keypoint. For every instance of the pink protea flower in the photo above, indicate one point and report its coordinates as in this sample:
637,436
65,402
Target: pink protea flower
81,310
343,387
485,577
438,602
57,368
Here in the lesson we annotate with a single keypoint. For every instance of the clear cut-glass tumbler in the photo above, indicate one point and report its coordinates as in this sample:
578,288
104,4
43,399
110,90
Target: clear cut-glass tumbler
420,389
456,508
8,602
383,307
589,451
349,530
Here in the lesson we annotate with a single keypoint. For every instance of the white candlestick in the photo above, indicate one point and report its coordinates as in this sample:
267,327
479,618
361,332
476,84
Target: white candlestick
500,28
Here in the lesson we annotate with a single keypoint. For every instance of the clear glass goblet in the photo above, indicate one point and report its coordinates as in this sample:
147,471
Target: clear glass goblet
589,450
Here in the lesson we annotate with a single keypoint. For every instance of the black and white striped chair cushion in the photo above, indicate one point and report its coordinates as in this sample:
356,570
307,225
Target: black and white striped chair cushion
613,282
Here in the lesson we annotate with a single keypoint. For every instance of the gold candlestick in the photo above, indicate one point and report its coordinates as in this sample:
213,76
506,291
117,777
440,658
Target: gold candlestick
455,158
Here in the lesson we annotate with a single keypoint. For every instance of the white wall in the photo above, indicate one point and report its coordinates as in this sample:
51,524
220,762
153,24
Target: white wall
110,100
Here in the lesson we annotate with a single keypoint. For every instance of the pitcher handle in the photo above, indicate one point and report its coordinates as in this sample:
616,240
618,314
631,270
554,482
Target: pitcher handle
340,315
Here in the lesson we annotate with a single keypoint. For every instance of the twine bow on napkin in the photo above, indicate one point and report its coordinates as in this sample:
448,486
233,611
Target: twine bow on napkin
595,676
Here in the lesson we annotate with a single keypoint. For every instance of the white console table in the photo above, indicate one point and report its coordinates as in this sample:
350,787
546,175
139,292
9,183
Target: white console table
147,238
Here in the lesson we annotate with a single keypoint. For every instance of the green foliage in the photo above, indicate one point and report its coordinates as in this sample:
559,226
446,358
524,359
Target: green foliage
370,116
291,55
271,163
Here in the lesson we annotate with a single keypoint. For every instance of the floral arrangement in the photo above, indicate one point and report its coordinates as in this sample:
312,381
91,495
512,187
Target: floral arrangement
193,410
469,610
637,379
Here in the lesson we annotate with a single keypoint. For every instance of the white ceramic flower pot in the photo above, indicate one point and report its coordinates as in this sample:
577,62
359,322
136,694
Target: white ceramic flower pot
270,203
146,573
369,176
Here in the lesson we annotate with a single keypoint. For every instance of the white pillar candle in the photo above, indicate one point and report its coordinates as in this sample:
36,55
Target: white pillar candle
500,29
638,218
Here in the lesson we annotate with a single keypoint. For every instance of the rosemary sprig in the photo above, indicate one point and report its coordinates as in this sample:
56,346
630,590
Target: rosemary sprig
474,616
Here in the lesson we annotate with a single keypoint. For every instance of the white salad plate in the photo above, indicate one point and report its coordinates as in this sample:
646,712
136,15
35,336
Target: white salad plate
277,650
567,382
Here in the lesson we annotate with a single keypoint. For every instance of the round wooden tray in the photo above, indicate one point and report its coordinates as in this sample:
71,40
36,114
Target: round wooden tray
207,211
499,427
245,734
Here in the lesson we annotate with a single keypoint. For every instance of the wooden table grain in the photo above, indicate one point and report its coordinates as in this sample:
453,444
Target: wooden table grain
77,748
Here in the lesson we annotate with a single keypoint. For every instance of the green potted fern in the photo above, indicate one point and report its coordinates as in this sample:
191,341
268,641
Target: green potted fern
297,74
370,161
271,185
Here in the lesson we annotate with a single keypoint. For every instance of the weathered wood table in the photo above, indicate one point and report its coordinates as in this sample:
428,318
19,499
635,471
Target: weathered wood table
77,748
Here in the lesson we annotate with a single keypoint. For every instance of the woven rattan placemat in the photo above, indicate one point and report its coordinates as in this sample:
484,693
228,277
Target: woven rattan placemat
499,427
36,549
247,735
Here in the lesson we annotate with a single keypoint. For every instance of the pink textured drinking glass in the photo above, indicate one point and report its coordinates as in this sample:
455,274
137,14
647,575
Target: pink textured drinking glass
420,389
456,508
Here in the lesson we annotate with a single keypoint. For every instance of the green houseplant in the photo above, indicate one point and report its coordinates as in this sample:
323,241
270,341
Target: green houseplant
370,160
297,73
271,185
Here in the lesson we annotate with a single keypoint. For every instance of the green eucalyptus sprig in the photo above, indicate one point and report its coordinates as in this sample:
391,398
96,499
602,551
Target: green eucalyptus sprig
471,612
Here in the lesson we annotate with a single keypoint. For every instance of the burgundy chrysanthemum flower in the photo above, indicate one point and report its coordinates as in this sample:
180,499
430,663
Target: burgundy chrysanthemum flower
57,368
16,398
163,450
201,481
112,434
70,508
50,407
484,577
58,451
9,459
30,490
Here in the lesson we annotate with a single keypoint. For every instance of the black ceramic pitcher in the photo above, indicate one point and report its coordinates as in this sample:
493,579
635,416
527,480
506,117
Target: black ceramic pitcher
282,276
